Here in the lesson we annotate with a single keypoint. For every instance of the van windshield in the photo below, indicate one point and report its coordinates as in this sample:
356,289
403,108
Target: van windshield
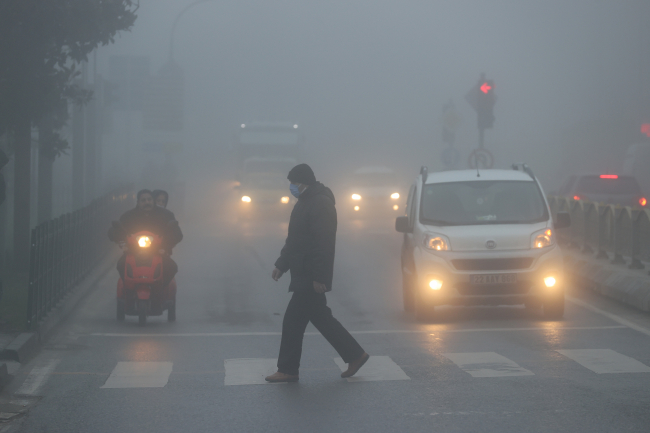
482,202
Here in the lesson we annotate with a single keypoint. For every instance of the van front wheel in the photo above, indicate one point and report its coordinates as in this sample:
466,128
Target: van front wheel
554,307
424,311
407,292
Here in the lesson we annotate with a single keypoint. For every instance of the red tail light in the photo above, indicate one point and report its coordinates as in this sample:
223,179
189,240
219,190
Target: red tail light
576,197
643,201
609,176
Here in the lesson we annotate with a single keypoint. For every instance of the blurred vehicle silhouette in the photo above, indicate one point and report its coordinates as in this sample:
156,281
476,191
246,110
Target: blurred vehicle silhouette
604,188
373,192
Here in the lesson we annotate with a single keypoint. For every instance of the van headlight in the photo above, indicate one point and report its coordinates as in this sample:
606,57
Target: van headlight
356,197
544,238
436,242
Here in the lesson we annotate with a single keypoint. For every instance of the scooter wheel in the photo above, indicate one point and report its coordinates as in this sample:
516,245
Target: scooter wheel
171,313
142,312
119,312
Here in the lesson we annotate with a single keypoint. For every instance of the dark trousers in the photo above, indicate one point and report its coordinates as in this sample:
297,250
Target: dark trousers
170,268
308,306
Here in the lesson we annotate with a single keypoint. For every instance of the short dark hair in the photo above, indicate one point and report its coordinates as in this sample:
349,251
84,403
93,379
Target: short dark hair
158,192
144,191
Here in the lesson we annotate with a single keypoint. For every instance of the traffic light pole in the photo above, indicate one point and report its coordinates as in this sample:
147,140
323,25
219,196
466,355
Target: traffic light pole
481,138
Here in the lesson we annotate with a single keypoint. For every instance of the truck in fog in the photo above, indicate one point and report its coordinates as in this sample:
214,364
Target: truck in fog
265,152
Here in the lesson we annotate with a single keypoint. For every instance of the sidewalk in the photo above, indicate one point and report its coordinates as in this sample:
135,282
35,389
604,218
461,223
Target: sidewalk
628,286
17,348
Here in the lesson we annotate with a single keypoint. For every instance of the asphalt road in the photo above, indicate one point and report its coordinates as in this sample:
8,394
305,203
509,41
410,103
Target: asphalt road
481,369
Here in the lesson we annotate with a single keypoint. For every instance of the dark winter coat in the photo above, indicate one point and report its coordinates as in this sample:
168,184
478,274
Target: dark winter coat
309,249
159,221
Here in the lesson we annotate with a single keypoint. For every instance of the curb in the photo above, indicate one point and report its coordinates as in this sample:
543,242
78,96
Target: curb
27,344
627,286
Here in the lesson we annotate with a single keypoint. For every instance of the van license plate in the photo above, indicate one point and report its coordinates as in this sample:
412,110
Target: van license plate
493,279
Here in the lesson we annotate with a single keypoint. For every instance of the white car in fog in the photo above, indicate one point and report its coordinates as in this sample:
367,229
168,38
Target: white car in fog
373,191
480,240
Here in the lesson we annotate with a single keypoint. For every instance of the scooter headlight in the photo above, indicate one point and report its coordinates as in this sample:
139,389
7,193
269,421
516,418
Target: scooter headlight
144,241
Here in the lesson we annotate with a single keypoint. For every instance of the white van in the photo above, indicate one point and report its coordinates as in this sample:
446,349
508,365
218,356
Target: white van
480,238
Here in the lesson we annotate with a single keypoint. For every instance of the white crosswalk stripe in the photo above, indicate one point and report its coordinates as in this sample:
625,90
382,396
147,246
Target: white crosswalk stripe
376,368
487,364
37,378
248,371
139,375
605,361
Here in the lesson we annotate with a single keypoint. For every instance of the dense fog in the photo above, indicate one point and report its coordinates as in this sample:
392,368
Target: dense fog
367,80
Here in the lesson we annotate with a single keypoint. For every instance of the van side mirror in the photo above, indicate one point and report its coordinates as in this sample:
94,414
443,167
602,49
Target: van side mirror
402,224
562,220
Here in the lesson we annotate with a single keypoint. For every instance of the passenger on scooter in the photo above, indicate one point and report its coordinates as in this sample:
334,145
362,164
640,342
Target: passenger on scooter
161,198
147,216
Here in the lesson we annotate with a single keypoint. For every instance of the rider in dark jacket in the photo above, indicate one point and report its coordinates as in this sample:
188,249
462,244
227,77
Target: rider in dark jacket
146,216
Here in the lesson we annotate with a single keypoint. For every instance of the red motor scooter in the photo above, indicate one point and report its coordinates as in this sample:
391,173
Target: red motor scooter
142,293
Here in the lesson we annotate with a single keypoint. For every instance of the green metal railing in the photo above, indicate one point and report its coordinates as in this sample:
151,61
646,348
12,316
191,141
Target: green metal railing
65,249
621,233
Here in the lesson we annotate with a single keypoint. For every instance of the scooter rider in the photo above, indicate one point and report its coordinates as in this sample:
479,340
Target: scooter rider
146,216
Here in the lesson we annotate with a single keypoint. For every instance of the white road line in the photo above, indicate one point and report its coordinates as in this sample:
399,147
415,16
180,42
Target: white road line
605,361
614,317
487,364
139,375
376,368
37,378
248,371
383,331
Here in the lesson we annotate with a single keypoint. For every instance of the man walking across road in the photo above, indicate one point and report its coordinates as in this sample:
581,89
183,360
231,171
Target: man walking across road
309,254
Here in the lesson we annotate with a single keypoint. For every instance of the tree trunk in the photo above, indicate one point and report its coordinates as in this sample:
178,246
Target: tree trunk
78,138
22,188
45,166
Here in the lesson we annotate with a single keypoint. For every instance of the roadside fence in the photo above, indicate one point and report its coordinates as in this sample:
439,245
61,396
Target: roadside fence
65,249
622,232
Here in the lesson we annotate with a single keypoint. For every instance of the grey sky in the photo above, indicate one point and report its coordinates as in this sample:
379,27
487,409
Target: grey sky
363,75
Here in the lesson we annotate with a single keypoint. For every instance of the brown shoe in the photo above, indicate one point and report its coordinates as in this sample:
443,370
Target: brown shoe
281,377
355,365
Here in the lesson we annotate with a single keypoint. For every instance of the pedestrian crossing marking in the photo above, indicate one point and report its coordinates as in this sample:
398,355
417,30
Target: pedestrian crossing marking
376,368
487,364
603,361
37,378
248,371
139,375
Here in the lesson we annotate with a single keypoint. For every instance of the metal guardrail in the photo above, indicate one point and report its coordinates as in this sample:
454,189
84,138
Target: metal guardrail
65,249
605,229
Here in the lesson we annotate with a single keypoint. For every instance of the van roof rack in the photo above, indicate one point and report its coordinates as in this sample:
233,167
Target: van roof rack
525,168
424,172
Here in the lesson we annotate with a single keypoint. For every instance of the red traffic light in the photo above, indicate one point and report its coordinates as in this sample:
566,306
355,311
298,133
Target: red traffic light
645,129
485,88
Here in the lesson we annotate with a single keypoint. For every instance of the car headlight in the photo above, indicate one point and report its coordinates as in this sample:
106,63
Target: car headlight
246,199
550,281
144,241
284,199
543,239
356,197
394,195
436,242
